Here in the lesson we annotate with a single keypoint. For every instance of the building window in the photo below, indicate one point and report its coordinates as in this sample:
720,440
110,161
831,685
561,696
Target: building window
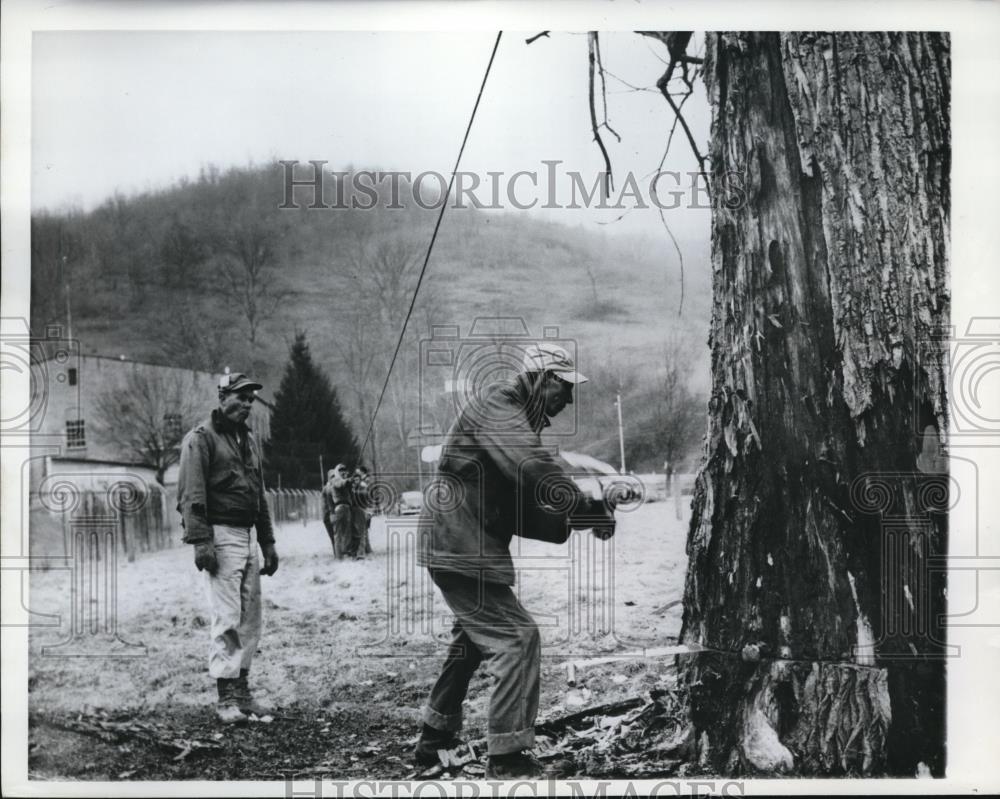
72,377
76,436
172,427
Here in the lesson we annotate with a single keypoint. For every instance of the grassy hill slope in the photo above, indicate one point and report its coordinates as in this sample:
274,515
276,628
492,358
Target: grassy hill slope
157,277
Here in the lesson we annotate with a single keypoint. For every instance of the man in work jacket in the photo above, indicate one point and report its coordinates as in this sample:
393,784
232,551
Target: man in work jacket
328,506
343,527
497,481
220,495
361,513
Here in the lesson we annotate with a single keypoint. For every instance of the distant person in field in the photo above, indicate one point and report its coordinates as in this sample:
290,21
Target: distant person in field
361,513
503,483
343,527
328,506
220,495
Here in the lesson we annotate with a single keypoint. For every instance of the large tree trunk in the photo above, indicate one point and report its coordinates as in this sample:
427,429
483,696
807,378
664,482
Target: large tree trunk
814,527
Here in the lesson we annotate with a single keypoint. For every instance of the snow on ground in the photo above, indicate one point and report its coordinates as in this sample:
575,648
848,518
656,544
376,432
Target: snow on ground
367,634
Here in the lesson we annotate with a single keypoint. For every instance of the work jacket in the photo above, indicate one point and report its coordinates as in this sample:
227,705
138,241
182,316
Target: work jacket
329,503
221,481
341,490
495,480
360,498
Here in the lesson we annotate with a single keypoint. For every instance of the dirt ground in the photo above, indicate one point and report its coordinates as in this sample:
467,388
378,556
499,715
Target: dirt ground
349,653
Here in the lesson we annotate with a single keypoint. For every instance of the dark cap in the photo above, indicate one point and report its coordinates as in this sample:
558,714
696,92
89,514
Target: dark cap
237,382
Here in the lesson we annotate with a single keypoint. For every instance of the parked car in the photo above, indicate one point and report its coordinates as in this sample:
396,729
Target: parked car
410,503
598,479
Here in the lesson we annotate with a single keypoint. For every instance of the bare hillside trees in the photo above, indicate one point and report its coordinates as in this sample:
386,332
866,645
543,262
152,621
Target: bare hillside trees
148,413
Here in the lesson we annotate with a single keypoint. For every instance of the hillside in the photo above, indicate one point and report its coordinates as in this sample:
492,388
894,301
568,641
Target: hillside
188,275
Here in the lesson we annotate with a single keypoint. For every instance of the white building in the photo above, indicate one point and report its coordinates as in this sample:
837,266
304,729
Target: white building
72,451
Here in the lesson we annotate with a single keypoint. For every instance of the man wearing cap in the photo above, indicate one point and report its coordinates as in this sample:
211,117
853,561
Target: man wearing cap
496,480
220,495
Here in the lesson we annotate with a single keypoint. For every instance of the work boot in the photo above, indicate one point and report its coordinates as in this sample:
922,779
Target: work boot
425,753
227,709
513,766
244,698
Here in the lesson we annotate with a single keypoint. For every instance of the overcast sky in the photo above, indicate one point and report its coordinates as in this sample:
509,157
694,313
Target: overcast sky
132,111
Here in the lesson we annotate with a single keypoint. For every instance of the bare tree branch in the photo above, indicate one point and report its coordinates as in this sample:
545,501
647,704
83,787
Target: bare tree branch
663,218
147,414
536,37
661,84
604,88
249,249
676,43
624,82
680,258
609,183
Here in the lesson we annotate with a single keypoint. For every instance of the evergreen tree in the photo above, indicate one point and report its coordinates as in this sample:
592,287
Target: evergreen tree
306,423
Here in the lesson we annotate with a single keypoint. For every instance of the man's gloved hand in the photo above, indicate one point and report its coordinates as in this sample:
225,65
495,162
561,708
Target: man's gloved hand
204,557
604,531
605,528
592,514
270,560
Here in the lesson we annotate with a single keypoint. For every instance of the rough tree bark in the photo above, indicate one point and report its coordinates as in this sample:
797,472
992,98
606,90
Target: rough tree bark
814,533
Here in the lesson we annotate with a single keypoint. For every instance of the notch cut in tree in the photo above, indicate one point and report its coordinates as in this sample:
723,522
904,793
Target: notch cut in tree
814,531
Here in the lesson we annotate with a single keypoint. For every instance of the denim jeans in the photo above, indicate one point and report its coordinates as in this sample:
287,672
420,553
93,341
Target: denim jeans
491,626
234,597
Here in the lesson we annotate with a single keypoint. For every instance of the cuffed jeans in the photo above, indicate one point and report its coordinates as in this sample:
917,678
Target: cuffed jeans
492,626
234,597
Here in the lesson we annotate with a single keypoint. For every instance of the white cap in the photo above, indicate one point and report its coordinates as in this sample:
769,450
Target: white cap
545,357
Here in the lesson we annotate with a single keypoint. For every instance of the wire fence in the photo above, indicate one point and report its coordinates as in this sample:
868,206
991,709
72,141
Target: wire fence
135,515
142,516
294,505
139,515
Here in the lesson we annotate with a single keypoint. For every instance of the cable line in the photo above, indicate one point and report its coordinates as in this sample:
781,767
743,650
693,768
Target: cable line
430,247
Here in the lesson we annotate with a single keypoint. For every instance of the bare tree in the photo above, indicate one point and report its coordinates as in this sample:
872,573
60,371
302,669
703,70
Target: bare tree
180,252
147,415
385,269
812,608
249,250
123,245
197,340
810,594
362,351
665,416
677,412
384,274
55,248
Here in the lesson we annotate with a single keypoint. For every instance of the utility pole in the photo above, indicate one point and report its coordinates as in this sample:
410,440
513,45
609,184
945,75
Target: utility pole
69,315
420,467
322,474
621,433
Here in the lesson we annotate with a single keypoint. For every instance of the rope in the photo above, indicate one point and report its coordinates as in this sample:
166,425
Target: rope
700,649
430,247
